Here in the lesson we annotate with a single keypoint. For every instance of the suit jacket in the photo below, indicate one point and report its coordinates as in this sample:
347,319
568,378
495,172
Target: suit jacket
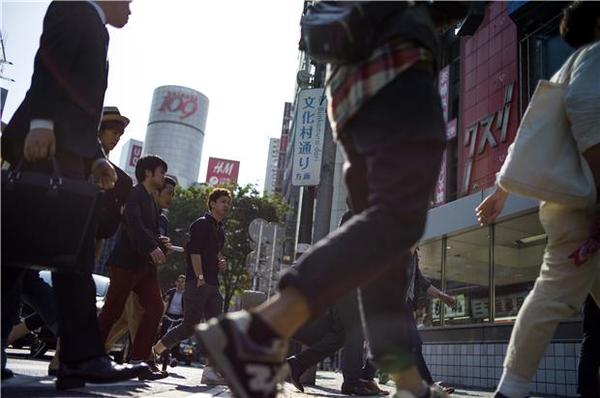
140,231
68,83
111,203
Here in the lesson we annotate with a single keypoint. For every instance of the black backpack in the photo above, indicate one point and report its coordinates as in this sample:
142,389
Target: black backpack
342,32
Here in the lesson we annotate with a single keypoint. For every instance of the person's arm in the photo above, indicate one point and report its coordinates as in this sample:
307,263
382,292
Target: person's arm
491,207
63,35
59,46
421,282
434,292
167,298
197,267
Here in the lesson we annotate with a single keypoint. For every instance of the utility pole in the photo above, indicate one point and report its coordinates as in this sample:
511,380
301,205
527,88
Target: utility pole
325,191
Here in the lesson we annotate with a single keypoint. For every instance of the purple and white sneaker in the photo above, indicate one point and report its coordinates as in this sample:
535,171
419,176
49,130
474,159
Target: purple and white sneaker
252,370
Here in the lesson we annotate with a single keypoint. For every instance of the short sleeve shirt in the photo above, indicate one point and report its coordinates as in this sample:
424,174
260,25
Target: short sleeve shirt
207,237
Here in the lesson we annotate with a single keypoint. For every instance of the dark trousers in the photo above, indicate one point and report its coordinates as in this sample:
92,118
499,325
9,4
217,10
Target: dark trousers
74,292
170,321
199,303
390,183
39,296
354,365
417,346
144,283
589,357
324,336
339,327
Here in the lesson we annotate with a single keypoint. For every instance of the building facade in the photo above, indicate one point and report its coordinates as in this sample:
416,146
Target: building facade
283,145
485,84
176,129
485,81
272,166
130,153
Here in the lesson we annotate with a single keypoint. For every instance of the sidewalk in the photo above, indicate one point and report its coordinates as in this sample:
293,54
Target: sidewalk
31,381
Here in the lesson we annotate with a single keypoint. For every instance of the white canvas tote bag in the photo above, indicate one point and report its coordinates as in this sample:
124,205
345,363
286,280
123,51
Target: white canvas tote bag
544,162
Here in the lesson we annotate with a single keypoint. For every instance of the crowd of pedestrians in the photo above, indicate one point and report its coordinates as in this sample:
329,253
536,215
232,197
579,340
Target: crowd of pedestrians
62,121
357,288
385,112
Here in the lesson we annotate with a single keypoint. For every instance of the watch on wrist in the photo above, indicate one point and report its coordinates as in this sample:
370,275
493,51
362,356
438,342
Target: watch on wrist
201,277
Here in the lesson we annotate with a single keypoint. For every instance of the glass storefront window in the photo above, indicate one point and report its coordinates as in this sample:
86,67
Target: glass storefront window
467,277
430,263
543,52
518,254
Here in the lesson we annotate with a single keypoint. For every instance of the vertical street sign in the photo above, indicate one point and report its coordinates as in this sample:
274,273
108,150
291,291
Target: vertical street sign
311,117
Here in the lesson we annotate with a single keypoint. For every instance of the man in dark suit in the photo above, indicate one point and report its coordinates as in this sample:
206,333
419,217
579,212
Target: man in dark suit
133,263
59,117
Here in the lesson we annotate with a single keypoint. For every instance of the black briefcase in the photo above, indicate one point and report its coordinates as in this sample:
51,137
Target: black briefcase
46,218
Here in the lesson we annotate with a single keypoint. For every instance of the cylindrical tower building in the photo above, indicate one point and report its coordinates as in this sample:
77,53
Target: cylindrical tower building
175,130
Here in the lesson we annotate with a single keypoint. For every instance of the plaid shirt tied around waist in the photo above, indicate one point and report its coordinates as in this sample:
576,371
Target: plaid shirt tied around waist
350,86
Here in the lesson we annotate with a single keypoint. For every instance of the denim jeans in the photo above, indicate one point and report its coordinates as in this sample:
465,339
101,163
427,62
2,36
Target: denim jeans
390,173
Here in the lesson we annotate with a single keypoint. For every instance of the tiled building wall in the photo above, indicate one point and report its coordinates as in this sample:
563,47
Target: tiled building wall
489,63
480,366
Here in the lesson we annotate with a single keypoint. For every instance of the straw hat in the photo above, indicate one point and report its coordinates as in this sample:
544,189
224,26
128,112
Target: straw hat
111,113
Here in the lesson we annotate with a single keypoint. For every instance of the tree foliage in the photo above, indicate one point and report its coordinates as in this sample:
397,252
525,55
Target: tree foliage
248,204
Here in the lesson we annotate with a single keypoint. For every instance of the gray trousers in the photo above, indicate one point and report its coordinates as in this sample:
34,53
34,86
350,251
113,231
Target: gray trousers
199,303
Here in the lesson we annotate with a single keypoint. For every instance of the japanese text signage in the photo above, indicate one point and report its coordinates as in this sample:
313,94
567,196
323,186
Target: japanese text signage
222,171
482,131
444,87
311,118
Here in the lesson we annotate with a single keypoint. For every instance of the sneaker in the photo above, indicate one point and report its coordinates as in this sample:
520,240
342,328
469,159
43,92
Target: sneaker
211,377
438,385
383,378
252,370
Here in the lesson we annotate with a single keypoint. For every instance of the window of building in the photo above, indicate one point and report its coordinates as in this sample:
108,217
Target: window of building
467,277
542,53
462,268
518,253
430,263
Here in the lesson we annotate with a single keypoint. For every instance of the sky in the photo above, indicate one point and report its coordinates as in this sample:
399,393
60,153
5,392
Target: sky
241,54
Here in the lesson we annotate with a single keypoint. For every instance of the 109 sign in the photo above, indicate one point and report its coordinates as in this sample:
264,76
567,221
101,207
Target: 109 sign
184,104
